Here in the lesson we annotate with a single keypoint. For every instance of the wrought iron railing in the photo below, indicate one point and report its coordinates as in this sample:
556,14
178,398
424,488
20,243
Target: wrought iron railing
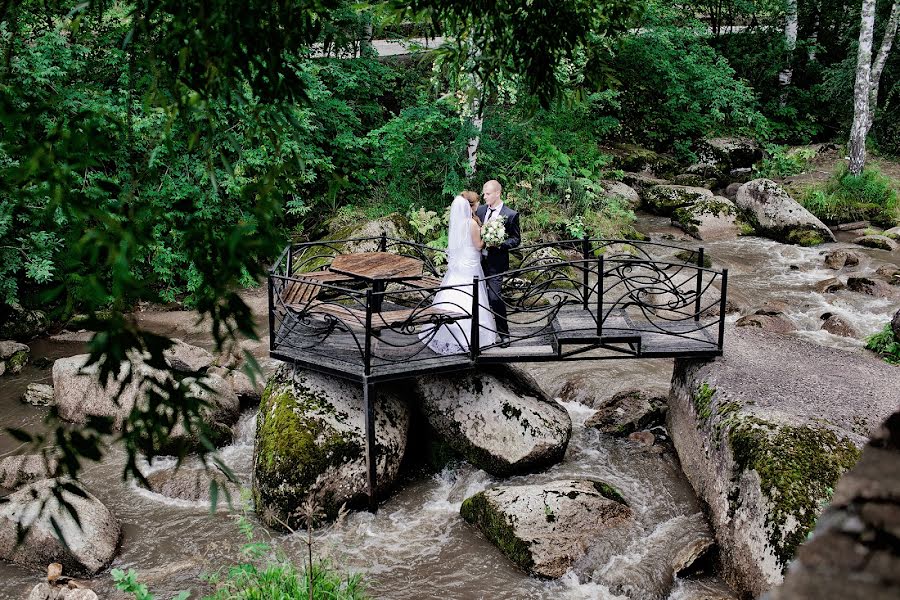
588,293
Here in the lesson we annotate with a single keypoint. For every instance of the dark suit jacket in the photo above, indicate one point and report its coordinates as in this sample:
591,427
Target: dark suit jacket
497,259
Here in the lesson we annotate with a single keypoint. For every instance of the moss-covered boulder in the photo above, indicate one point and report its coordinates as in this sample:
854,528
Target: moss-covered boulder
621,192
879,242
774,214
20,323
631,157
498,419
310,442
13,357
763,434
853,553
728,153
545,528
666,199
708,218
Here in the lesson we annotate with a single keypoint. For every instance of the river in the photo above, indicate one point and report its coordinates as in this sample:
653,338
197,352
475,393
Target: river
417,545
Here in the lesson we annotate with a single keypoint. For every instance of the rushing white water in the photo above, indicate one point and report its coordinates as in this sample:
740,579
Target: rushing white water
417,545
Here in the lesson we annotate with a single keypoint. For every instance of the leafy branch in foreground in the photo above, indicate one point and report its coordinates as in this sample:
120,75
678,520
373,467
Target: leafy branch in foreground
885,344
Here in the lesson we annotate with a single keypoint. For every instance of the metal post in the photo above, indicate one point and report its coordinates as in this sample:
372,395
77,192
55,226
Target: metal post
383,245
600,281
474,338
371,458
585,290
699,284
271,314
367,355
290,260
722,309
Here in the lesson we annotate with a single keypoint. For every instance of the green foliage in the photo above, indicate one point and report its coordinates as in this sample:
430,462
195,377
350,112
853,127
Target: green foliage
885,344
846,197
676,89
780,161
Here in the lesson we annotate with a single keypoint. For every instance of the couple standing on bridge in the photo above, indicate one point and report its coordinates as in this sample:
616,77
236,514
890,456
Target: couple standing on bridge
478,244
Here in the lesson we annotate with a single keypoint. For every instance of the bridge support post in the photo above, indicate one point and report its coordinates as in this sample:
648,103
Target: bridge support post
600,282
371,459
475,336
699,284
585,269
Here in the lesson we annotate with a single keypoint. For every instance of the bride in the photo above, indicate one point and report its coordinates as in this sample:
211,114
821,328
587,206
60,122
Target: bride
463,264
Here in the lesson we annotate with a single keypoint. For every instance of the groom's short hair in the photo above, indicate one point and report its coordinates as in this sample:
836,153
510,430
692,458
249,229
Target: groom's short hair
494,184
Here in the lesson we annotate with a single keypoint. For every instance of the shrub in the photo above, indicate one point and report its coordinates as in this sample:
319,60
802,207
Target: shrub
780,161
885,344
846,197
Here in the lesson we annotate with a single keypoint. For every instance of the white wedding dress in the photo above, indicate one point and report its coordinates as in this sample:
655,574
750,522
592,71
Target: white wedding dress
463,265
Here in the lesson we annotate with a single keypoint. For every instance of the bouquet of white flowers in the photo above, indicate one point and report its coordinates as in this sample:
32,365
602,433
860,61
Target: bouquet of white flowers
493,233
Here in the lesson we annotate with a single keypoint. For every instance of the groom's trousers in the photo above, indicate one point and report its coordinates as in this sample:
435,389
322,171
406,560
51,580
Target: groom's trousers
495,301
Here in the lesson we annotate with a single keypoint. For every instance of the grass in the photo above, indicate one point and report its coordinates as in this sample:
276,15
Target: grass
844,197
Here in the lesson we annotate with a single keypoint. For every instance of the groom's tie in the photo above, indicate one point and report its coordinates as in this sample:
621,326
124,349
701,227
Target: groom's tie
490,214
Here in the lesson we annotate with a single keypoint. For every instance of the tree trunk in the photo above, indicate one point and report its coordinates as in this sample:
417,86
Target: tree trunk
814,36
790,41
890,32
477,122
857,145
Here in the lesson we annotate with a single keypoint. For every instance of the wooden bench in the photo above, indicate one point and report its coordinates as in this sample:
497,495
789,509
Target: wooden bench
301,292
424,283
355,318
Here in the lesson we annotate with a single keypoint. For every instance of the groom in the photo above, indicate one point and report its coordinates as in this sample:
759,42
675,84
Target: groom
496,259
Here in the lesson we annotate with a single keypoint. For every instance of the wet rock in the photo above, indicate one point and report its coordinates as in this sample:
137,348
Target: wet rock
78,393
617,189
853,552
642,181
880,242
890,272
545,528
20,469
310,441
895,326
731,190
13,357
893,233
627,412
499,419
708,219
741,175
665,199
764,432
839,326
871,287
642,438
46,591
697,179
774,214
192,485
186,358
838,259
248,391
222,411
774,323
38,394
91,546
772,307
702,589
631,157
830,286
673,547
854,226
19,323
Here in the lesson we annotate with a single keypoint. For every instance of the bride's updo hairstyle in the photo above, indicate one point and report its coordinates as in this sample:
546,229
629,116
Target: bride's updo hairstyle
471,197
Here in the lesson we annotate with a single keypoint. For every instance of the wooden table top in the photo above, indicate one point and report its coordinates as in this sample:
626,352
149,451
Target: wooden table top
377,266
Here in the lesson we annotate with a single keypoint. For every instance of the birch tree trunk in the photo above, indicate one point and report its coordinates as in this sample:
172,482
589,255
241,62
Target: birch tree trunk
890,32
790,41
477,122
857,144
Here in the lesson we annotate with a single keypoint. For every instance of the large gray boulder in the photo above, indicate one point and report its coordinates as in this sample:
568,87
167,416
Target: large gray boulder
623,192
20,323
13,357
708,218
91,545
545,528
46,591
729,153
627,412
19,469
879,242
192,485
895,326
774,214
666,199
853,553
78,393
499,420
310,442
187,358
763,434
